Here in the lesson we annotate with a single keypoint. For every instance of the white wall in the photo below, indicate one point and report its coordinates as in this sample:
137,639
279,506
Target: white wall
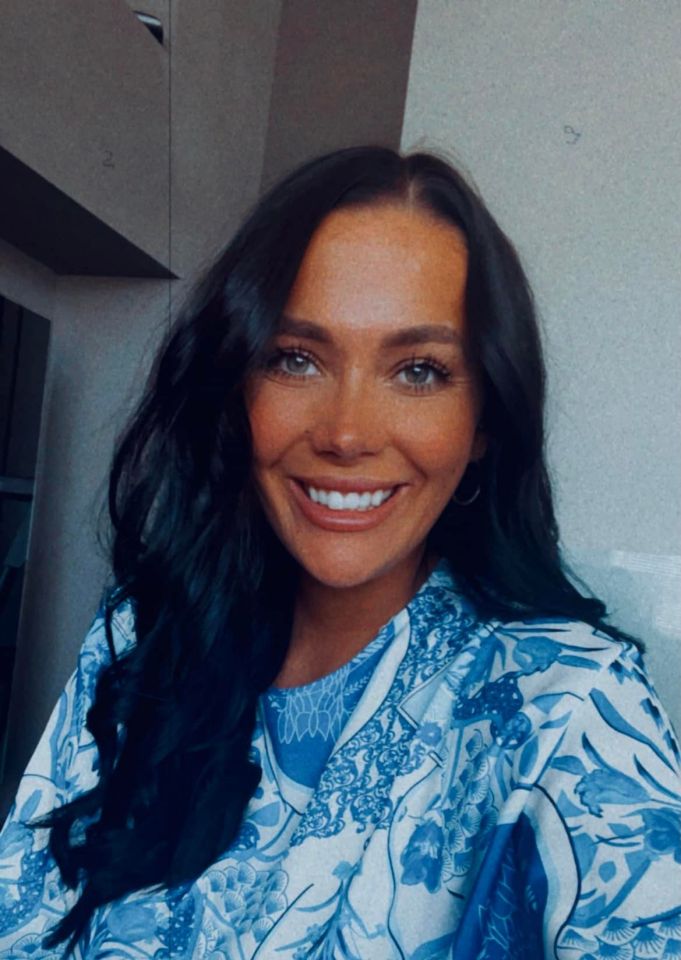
566,115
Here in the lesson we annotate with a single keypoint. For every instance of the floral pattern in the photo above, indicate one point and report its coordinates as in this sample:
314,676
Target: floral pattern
499,790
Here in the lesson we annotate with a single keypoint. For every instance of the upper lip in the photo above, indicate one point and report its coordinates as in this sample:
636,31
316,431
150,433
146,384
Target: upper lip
347,484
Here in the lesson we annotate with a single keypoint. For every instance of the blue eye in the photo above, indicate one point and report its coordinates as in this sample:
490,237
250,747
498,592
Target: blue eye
276,365
430,365
421,367
286,355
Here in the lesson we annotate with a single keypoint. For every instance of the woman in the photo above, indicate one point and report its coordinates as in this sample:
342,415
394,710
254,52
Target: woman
343,700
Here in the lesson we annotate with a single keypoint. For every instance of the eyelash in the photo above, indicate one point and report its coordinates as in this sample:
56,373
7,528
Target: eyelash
442,372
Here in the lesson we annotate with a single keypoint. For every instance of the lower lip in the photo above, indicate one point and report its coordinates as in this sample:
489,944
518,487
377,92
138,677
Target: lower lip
344,520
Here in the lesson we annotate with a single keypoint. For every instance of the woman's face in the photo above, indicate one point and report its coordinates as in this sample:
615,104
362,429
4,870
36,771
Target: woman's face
358,394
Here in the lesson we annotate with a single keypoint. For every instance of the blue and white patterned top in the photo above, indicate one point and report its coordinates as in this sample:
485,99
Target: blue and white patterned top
499,790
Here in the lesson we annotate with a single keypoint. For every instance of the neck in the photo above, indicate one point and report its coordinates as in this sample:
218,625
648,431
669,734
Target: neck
324,637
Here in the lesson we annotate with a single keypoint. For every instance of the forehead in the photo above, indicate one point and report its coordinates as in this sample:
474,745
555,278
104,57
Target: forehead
389,262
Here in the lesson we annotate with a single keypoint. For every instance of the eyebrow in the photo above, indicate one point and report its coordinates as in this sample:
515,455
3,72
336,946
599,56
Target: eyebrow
422,333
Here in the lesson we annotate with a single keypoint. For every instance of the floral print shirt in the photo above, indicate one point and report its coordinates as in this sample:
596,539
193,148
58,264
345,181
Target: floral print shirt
499,790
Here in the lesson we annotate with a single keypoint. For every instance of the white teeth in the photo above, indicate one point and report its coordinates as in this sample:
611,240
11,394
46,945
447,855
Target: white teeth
349,501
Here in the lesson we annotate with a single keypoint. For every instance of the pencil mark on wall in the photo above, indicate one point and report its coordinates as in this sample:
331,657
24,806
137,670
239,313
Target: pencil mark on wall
572,135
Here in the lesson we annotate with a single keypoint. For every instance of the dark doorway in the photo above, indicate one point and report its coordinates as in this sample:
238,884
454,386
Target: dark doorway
24,338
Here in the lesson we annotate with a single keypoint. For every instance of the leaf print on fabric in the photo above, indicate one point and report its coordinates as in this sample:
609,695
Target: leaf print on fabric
268,815
617,722
528,757
438,949
547,701
554,724
569,765
581,662
339,935
29,808
652,711
608,786
672,745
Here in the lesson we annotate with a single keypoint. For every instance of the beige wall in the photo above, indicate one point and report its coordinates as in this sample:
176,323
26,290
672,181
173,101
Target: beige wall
234,78
340,78
85,104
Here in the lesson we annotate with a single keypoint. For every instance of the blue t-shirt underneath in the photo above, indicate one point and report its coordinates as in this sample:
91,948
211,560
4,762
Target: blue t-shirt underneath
304,722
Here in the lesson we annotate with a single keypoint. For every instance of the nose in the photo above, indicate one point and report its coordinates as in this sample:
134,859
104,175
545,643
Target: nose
349,421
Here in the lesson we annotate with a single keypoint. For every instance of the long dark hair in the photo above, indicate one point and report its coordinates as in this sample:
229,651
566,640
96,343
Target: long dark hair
210,584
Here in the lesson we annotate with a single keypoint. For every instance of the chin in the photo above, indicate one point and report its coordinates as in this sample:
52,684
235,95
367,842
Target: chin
350,569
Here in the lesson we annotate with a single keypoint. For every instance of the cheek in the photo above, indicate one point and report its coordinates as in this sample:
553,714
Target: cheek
273,426
439,446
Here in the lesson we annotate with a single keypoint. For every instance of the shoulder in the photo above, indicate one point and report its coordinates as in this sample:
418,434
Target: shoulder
576,684
536,654
574,656
95,653
537,677
76,740
540,642
555,653
96,644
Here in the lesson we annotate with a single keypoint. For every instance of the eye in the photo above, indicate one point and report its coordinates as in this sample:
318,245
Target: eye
281,357
427,365
292,362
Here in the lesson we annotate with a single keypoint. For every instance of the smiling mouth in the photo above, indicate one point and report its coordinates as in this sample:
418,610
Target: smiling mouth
348,516
353,502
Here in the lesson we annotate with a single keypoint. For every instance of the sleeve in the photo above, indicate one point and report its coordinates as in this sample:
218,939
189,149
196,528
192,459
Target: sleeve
606,815
63,766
